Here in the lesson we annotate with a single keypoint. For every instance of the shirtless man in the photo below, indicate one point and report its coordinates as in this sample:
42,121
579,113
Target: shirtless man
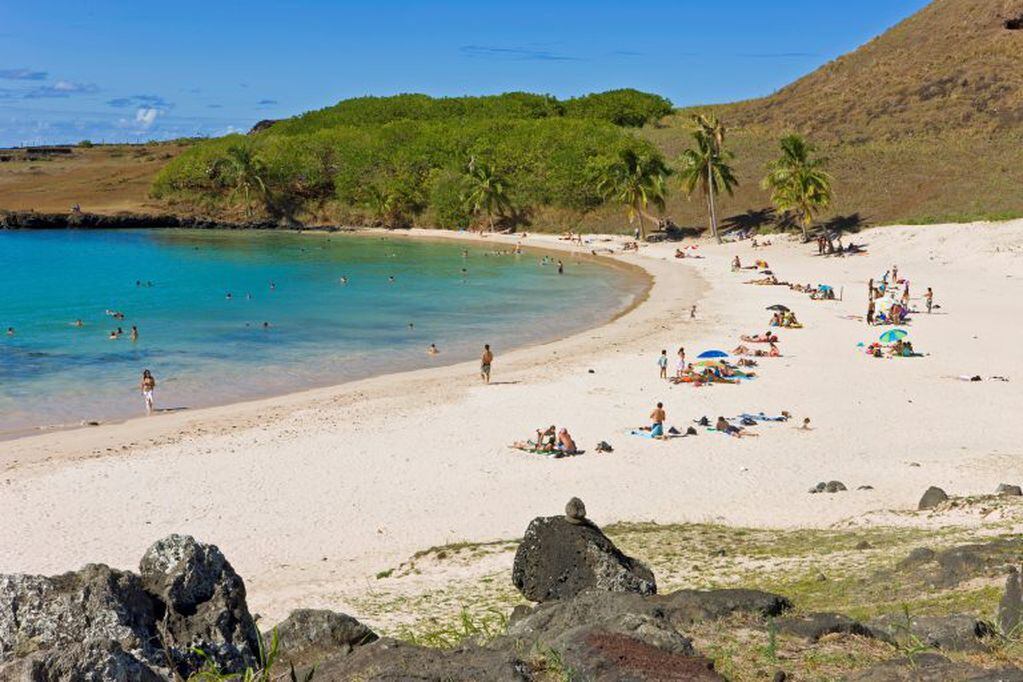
565,442
657,418
485,361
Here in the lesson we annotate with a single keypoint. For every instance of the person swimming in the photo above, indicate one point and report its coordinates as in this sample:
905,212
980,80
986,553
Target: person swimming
432,350
134,333
10,331
344,279
390,279
78,323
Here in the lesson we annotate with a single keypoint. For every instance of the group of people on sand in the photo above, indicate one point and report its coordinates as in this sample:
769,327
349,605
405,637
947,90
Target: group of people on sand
888,299
785,318
549,441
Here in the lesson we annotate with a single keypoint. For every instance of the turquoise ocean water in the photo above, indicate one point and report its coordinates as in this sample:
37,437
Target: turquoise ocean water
207,348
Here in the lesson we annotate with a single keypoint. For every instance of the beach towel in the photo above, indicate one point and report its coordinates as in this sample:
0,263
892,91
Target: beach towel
761,417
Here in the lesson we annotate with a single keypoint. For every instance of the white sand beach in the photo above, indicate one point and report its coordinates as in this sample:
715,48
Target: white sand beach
309,495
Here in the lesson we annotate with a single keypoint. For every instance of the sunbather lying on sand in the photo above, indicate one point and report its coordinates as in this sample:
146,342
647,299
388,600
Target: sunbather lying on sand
745,350
766,337
736,431
546,441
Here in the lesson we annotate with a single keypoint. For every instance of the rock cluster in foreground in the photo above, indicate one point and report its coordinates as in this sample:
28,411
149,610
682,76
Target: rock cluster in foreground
597,615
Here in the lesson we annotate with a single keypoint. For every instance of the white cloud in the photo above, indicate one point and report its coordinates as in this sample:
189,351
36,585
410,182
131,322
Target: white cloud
146,116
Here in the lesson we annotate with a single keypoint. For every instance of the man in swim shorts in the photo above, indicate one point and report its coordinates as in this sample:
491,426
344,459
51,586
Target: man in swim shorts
657,417
485,361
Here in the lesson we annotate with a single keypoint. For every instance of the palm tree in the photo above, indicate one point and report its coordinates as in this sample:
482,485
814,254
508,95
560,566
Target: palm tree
706,166
634,179
242,169
798,181
485,191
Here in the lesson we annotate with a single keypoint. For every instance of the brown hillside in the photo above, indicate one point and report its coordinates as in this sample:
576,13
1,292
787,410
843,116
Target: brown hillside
955,65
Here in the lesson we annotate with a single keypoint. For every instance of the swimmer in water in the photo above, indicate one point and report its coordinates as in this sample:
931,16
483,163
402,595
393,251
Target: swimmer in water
10,331
134,333
432,350
228,297
391,279
411,325
344,279
78,323
266,325
273,285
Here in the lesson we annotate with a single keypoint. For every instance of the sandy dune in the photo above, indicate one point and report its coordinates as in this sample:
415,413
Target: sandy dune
309,495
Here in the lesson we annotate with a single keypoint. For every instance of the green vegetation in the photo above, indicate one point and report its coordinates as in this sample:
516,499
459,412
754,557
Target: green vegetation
402,160
798,181
262,672
633,179
707,165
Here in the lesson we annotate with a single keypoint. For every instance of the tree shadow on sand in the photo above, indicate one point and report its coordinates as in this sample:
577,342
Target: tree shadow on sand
750,222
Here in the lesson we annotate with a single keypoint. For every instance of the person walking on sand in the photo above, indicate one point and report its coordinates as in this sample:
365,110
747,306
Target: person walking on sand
680,364
485,361
662,362
148,385
657,418
929,299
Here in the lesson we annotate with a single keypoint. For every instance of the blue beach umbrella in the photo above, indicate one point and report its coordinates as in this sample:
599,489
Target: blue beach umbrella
893,335
709,354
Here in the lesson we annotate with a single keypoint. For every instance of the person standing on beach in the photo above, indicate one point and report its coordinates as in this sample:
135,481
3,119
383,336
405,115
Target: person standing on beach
485,362
148,386
870,312
929,299
657,418
680,364
662,362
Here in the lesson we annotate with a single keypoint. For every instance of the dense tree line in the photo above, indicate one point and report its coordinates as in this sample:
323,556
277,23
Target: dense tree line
413,157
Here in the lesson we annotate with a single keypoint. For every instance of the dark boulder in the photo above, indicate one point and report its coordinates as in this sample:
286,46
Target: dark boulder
94,661
602,656
693,606
558,559
957,632
309,636
932,498
552,624
260,126
1010,607
813,626
203,603
392,660
1008,490
97,612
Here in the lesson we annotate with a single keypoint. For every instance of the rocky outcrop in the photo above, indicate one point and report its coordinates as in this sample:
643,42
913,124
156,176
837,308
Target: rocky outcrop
30,220
97,618
103,624
309,636
560,556
201,601
813,626
932,498
957,632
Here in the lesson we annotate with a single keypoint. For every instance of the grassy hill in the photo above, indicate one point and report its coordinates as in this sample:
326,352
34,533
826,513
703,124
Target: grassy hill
922,124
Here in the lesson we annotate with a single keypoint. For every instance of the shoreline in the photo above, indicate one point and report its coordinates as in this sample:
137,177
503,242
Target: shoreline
545,246
635,273
312,496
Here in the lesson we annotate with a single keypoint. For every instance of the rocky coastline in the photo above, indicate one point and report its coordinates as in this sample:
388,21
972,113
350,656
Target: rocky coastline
596,614
32,220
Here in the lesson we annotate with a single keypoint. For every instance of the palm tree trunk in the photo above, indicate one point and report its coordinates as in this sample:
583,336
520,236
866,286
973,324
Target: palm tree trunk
710,199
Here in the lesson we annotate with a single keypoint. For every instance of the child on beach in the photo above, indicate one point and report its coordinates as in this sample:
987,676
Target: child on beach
662,362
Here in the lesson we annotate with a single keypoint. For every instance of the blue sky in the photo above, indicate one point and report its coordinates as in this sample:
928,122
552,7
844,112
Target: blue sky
126,71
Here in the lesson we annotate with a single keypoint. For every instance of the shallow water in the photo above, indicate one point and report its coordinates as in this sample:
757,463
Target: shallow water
206,348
